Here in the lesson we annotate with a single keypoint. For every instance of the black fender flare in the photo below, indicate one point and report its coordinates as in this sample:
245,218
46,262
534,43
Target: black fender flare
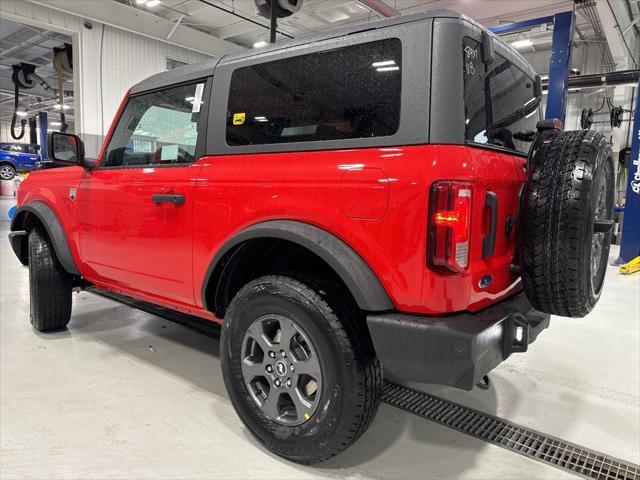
52,225
362,282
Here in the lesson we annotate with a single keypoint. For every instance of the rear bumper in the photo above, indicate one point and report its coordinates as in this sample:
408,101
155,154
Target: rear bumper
456,350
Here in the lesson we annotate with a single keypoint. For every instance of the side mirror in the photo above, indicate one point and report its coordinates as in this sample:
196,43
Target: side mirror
65,149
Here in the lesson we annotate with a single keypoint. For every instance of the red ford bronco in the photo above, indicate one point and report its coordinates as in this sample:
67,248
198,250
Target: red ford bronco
382,198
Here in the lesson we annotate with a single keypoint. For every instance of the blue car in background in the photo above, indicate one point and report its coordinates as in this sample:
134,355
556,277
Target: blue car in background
17,157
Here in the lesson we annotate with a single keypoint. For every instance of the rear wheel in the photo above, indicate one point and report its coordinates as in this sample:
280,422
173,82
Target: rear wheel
566,223
49,284
7,172
299,368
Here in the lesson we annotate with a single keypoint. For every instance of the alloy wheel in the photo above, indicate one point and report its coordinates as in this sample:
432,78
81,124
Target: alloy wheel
281,370
6,172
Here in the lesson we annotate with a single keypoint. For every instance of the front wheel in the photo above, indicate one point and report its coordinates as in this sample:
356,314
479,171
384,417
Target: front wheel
49,285
299,366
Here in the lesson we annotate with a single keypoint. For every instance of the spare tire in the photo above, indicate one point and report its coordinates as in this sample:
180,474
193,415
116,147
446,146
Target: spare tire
566,220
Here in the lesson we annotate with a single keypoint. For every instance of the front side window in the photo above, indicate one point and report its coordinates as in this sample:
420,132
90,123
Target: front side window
349,92
157,128
501,101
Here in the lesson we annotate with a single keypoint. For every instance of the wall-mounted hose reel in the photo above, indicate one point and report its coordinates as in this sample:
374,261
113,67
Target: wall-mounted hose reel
63,65
22,77
615,115
25,77
586,118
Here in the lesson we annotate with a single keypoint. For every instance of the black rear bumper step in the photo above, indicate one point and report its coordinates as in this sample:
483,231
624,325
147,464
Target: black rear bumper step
456,350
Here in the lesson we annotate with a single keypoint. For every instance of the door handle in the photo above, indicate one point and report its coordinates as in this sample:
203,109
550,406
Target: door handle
489,242
168,198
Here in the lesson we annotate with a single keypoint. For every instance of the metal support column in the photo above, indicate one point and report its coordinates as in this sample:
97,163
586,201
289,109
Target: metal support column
42,121
274,22
563,28
560,64
630,243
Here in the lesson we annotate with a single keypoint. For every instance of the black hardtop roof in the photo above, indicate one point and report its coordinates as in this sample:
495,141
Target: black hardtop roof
205,69
340,32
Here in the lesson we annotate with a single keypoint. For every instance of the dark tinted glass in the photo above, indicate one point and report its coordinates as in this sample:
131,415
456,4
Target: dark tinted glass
18,148
350,92
158,128
501,101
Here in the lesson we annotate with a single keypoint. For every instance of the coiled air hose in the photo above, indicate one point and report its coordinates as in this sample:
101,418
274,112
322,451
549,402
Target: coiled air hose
63,67
20,78
24,77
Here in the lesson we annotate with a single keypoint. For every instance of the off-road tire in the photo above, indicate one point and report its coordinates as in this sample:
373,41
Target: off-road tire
567,175
49,284
352,377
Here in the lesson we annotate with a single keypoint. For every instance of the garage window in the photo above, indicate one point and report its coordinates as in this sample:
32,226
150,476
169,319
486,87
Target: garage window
500,100
158,128
349,92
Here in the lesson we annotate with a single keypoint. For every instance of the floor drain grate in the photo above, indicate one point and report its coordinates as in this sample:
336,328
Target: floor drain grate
519,439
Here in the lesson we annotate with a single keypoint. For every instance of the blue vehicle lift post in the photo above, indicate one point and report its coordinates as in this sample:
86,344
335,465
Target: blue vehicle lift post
563,28
630,242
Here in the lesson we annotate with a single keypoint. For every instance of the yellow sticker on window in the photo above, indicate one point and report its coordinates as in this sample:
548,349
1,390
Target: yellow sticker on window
238,118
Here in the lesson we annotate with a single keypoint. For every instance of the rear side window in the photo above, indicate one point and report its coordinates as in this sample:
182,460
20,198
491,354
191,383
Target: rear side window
349,92
158,128
501,101
16,148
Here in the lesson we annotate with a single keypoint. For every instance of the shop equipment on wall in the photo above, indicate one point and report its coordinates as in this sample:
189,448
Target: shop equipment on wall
25,77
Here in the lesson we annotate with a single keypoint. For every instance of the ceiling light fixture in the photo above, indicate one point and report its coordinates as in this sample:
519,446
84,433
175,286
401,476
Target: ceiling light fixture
522,43
259,44
153,3
55,124
384,63
141,2
387,69
21,114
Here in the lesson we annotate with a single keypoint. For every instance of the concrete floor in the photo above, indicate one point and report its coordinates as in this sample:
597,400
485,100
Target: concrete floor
123,394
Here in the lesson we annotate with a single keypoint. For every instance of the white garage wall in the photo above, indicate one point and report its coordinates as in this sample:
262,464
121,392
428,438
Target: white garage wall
110,62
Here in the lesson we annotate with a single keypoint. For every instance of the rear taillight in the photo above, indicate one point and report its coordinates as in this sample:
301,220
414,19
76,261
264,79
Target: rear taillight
449,225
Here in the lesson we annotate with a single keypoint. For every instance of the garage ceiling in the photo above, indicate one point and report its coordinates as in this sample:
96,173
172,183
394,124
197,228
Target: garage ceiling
23,43
233,20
